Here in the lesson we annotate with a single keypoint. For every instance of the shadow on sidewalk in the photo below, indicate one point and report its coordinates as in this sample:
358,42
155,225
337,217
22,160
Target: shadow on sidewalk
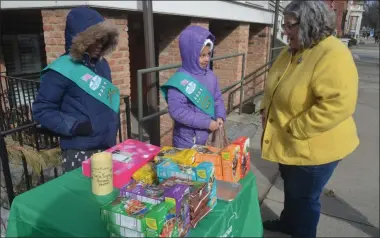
331,205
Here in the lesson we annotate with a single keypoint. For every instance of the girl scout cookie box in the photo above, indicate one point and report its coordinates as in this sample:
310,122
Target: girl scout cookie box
127,158
151,194
209,154
204,172
177,194
231,157
199,197
245,161
119,231
180,156
146,174
161,221
127,213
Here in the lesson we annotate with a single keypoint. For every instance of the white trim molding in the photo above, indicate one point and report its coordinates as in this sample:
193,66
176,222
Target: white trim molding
224,10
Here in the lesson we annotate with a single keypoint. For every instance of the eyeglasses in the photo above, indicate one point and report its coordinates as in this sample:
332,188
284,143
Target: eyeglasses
289,26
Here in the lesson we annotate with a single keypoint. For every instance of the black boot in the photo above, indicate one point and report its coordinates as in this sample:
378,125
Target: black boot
276,226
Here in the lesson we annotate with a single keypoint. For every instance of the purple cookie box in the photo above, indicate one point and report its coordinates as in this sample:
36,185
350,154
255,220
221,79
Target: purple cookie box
180,192
135,190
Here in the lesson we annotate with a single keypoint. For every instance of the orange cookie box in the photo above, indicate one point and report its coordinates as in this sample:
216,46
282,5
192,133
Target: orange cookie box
231,163
245,162
210,154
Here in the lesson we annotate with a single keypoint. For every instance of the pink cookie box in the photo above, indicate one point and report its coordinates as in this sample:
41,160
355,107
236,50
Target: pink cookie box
127,158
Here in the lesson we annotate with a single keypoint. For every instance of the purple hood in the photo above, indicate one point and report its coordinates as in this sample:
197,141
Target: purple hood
190,44
191,124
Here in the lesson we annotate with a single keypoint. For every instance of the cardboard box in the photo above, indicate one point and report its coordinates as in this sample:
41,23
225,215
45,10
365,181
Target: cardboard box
161,221
184,157
128,213
179,196
119,231
210,154
127,158
231,157
168,168
244,143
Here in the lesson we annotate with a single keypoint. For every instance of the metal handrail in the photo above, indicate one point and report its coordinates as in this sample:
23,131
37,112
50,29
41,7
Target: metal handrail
242,82
140,72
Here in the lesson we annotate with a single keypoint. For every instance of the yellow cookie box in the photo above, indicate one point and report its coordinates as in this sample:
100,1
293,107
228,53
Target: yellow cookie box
184,157
146,174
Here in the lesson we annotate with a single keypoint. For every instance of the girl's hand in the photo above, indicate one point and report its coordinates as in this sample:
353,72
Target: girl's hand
213,126
220,122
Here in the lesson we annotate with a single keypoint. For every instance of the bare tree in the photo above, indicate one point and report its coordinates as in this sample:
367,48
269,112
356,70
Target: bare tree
371,15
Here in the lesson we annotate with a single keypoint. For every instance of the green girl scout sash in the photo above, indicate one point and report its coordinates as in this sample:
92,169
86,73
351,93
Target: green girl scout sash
193,90
93,84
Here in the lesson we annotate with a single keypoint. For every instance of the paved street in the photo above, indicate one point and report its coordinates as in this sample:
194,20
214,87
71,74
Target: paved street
350,203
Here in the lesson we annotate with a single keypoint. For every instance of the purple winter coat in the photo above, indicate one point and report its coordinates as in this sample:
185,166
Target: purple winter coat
191,124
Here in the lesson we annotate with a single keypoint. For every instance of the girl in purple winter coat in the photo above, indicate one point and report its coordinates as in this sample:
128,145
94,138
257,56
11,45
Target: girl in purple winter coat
193,95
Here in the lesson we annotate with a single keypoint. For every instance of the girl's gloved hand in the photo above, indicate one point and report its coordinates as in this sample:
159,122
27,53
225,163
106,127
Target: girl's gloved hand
83,129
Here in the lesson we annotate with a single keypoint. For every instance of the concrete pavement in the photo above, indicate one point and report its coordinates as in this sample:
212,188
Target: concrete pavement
350,203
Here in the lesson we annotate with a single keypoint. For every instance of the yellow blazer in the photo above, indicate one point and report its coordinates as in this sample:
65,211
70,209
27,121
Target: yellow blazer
309,100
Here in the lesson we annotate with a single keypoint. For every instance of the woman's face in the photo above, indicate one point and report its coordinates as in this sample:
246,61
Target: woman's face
291,30
204,57
95,49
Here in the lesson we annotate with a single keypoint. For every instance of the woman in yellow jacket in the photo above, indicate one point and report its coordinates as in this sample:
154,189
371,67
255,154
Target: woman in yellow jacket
309,100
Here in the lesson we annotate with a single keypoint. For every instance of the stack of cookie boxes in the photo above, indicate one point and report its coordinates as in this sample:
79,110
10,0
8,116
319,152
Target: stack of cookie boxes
231,163
201,181
168,209
148,211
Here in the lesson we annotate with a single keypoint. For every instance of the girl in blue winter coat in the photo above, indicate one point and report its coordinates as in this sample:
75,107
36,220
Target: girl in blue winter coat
76,98
194,99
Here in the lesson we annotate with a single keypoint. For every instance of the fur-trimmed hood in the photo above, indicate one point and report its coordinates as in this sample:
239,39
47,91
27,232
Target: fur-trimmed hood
83,27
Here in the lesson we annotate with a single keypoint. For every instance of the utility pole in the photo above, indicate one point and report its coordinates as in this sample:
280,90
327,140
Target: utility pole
275,28
152,82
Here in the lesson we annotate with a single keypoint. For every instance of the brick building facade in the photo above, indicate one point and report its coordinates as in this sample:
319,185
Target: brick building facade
340,8
231,37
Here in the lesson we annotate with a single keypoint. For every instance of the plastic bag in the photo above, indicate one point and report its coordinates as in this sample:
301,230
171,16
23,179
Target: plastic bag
218,139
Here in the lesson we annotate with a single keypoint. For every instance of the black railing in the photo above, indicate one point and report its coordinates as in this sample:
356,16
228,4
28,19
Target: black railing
16,99
18,128
31,127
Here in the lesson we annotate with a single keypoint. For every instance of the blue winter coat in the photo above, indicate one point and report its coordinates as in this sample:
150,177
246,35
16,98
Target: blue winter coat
60,104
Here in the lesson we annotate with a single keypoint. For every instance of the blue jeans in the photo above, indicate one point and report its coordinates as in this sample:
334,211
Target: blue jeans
303,186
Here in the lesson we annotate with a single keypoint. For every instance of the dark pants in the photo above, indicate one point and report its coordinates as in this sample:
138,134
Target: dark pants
303,186
72,159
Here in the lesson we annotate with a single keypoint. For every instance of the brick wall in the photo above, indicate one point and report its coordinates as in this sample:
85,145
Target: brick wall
231,37
54,21
257,55
200,22
168,53
339,7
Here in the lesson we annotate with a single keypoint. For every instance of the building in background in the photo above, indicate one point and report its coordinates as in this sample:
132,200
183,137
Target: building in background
354,18
340,8
33,36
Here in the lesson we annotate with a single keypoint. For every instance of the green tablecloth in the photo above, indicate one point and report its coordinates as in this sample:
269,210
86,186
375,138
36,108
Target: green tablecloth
66,207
